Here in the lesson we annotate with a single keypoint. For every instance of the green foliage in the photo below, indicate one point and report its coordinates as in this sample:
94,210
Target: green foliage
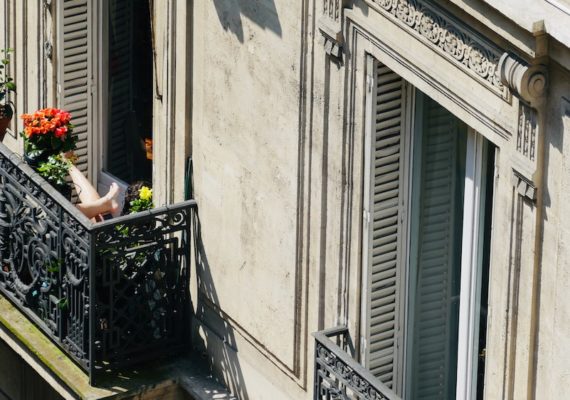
62,304
141,205
6,82
123,230
143,202
55,170
54,266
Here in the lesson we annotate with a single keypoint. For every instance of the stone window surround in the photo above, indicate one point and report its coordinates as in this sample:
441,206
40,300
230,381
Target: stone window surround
520,144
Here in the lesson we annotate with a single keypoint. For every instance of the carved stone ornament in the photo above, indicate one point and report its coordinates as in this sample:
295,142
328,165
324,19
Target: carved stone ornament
527,131
330,25
450,37
524,187
528,82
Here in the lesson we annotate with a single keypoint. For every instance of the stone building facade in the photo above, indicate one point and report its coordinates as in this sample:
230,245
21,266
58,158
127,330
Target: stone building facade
394,167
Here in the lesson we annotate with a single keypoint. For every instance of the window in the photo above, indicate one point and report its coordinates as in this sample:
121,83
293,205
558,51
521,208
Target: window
428,196
105,80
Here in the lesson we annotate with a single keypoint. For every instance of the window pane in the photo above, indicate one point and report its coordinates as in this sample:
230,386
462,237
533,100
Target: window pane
435,252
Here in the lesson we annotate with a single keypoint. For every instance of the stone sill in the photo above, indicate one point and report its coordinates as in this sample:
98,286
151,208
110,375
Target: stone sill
185,378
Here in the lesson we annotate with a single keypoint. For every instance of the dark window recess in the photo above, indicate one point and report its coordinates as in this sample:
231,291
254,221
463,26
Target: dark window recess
129,137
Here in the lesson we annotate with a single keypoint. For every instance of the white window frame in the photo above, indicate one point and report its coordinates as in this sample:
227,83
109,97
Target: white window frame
471,266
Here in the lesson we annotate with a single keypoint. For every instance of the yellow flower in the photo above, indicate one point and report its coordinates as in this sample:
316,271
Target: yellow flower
145,193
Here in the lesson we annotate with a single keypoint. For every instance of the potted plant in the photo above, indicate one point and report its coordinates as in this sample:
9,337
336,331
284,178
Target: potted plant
48,133
6,85
55,170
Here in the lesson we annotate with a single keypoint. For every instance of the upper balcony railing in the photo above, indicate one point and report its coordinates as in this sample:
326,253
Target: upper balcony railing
338,376
110,294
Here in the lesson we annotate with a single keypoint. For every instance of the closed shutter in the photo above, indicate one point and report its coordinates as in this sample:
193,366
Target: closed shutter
384,230
437,267
75,59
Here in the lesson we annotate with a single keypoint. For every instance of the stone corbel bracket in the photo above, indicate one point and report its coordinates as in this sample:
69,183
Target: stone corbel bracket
524,187
333,38
330,25
529,82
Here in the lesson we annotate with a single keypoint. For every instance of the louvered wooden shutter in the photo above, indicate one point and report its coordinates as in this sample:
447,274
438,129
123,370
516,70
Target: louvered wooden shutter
438,257
75,59
385,228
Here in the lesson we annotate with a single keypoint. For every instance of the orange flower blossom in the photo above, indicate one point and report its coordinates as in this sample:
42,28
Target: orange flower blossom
45,121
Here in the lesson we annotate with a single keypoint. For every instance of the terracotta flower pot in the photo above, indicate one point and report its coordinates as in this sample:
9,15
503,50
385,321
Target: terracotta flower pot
6,114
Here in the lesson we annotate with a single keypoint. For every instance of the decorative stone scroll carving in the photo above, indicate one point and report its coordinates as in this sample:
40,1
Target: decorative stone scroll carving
449,36
528,82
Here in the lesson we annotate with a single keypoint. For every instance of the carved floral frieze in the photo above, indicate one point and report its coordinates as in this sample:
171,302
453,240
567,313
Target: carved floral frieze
450,37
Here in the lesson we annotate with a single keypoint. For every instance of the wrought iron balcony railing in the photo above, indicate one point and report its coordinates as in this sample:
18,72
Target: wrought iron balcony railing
110,294
338,376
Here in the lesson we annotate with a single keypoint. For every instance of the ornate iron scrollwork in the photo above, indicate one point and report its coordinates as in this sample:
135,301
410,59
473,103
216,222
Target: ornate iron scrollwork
109,294
338,376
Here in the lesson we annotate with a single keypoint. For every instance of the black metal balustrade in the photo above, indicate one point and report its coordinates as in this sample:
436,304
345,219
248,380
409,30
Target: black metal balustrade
110,294
338,376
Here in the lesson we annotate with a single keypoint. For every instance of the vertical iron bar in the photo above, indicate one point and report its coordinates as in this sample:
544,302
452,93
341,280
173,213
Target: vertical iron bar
63,316
92,304
188,275
317,381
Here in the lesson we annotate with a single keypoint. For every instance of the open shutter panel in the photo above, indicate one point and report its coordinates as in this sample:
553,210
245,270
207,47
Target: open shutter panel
437,297
385,227
75,64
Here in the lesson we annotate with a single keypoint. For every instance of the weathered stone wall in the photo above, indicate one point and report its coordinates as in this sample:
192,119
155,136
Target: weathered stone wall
251,116
278,141
28,27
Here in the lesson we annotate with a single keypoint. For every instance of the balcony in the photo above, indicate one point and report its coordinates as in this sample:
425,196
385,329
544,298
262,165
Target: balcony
338,376
110,295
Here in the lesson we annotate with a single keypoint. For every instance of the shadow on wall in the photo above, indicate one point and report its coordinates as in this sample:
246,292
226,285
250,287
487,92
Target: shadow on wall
261,12
220,344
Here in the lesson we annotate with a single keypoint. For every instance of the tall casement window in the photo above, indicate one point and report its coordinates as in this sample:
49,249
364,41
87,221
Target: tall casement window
427,214
105,79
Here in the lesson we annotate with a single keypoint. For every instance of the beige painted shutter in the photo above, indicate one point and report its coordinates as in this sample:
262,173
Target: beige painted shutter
75,61
438,254
385,228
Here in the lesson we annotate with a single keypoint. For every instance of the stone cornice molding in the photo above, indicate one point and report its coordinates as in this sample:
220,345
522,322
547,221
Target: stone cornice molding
528,82
450,37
